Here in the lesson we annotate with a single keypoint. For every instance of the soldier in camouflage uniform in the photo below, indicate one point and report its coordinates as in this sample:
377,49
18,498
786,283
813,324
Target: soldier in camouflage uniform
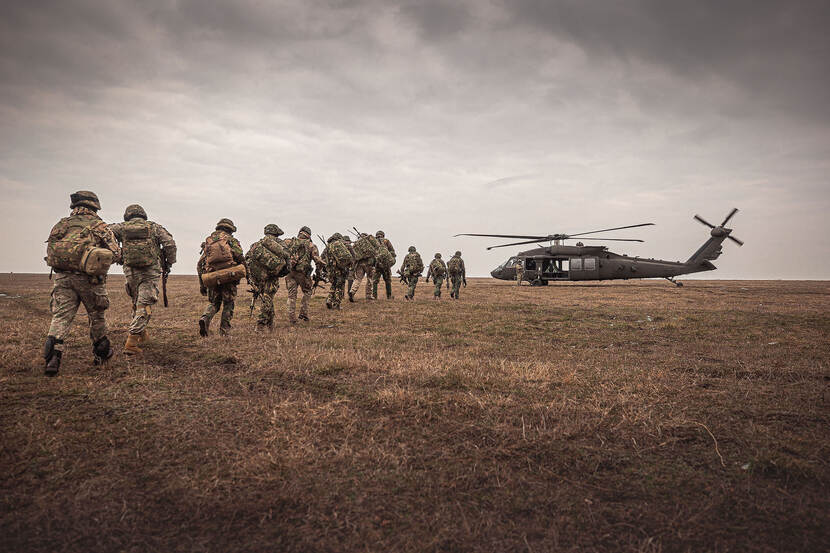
411,269
363,267
347,240
302,252
520,271
338,270
72,288
458,274
437,270
265,279
381,271
148,250
223,296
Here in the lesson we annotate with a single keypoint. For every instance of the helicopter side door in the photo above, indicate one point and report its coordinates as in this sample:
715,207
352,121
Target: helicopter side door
583,268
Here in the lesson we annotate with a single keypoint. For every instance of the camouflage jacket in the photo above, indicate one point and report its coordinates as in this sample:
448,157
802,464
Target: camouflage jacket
412,264
433,268
236,250
388,244
97,227
160,236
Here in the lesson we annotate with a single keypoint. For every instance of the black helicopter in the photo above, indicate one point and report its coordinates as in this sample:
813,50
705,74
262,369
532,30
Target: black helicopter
547,263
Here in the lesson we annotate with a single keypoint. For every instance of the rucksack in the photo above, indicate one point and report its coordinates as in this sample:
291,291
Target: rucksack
384,258
437,268
69,244
218,253
340,254
416,266
139,249
270,256
366,247
454,266
299,255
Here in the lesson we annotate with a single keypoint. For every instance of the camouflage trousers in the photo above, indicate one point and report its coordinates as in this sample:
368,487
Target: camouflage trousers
438,281
143,288
387,279
68,293
455,280
221,297
519,277
412,281
266,301
337,284
293,281
361,270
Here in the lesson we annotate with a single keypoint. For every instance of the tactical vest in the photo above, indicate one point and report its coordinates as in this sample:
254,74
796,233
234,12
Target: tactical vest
454,266
70,242
218,252
139,248
437,268
299,255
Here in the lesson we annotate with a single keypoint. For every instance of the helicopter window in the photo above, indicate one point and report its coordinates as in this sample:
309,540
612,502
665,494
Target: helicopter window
576,264
530,264
589,264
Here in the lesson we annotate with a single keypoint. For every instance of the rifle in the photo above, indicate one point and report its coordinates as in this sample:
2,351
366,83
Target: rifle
165,272
319,276
255,292
401,277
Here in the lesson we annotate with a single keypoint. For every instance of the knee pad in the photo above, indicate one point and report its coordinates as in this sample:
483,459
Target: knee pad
49,348
102,348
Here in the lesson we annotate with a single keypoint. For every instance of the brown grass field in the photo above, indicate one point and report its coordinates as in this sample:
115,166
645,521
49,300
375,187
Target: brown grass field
613,417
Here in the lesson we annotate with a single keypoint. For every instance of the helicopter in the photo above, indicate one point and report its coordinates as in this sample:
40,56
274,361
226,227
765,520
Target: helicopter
548,263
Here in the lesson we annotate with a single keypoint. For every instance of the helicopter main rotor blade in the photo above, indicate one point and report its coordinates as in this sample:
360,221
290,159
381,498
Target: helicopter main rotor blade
513,244
739,242
613,239
610,229
704,221
534,237
731,213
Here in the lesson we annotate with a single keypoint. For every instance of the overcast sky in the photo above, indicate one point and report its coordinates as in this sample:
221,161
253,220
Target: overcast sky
425,119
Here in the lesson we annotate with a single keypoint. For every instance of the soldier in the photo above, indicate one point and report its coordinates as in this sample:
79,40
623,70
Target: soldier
347,240
69,246
363,267
520,271
148,251
410,270
219,250
267,262
301,252
383,267
338,260
437,270
458,274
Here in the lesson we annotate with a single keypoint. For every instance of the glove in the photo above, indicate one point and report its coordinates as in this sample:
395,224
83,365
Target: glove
203,290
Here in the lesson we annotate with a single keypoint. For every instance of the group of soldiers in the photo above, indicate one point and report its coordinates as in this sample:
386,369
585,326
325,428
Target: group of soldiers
81,248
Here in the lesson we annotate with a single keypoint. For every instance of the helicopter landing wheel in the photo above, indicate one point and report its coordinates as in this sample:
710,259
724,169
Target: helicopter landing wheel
675,282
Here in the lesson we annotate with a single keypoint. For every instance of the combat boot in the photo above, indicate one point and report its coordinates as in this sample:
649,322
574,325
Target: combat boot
204,327
52,356
303,316
102,351
351,296
131,347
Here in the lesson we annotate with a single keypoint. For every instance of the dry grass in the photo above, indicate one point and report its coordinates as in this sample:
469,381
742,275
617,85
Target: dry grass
617,417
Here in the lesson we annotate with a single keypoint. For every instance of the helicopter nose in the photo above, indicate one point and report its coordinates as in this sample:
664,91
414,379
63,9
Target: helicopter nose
495,273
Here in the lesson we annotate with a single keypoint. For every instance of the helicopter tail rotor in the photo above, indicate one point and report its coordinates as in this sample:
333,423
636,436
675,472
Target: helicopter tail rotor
720,229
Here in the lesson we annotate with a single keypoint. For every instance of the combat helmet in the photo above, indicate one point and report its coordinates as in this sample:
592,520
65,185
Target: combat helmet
335,236
347,238
458,254
411,249
84,198
134,211
305,230
273,229
226,224
437,256
380,234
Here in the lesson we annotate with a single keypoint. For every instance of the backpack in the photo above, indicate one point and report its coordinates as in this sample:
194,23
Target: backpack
384,258
218,253
364,248
299,255
437,268
267,259
340,254
139,249
69,243
454,266
415,265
